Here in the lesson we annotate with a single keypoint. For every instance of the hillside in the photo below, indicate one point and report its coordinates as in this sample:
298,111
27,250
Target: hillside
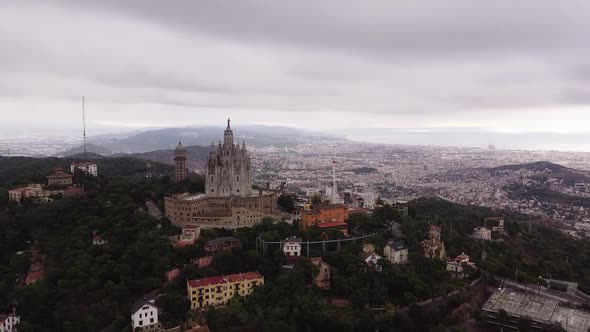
163,139
27,169
90,148
196,156
546,195
539,166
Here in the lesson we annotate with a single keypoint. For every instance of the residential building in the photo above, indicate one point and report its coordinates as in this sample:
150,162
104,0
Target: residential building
482,233
434,246
192,229
35,273
144,314
324,214
372,259
500,227
292,246
215,291
97,240
189,236
322,278
59,178
222,243
457,265
396,251
86,167
9,322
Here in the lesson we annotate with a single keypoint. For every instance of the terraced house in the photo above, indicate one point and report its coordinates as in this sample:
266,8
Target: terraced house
216,291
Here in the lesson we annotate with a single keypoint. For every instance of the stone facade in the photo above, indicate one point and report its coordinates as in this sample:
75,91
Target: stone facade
229,212
228,200
228,168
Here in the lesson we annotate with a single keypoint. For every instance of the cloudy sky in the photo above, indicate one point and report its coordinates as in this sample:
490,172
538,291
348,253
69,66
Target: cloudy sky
361,68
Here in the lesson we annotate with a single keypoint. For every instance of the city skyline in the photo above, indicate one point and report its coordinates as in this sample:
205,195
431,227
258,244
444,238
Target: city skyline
452,74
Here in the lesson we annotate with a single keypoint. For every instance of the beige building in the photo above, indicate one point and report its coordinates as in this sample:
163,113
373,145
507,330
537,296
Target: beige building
59,178
457,265
482,233
33,190
228,200
396,252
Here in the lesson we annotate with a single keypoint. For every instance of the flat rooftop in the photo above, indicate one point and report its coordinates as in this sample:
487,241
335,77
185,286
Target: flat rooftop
518,304
539,308
572,319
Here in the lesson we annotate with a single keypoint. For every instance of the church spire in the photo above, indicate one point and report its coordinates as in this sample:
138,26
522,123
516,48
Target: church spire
228,136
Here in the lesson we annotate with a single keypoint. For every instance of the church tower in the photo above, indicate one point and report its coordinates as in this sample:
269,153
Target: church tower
228,168
180,159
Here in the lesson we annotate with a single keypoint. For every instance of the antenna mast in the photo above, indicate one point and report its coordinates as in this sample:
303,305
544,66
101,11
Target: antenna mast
334,184
84,132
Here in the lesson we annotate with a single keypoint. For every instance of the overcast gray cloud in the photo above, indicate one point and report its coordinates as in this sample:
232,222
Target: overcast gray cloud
501,66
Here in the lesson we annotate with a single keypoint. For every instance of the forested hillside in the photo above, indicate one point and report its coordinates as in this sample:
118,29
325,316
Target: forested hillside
27,169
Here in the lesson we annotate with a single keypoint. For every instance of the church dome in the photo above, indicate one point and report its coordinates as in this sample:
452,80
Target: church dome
180,147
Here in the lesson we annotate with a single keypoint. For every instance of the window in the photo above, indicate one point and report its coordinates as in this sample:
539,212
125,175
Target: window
151,320
140,323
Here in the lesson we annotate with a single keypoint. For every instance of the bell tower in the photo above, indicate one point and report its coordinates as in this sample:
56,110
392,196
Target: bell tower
180,160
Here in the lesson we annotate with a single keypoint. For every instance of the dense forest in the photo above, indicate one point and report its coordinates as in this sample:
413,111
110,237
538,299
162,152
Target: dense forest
22,170
91,288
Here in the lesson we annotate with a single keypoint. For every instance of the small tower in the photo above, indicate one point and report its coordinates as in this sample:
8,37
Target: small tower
148,170
180,159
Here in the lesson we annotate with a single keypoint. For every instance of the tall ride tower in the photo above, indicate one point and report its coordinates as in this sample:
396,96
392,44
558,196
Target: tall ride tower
180,159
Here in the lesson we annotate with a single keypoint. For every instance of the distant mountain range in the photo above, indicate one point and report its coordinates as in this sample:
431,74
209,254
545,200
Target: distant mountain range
196,156
168,138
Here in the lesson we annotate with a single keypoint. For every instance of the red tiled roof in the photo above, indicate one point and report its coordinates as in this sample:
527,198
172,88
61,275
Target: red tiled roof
33,276
356,210
60,175
182,244
332,224
74,190
224,279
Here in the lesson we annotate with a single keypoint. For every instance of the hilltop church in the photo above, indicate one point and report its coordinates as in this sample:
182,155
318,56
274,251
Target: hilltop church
228,200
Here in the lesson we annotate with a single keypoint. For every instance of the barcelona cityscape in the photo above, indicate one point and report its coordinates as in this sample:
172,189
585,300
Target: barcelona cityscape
294,166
